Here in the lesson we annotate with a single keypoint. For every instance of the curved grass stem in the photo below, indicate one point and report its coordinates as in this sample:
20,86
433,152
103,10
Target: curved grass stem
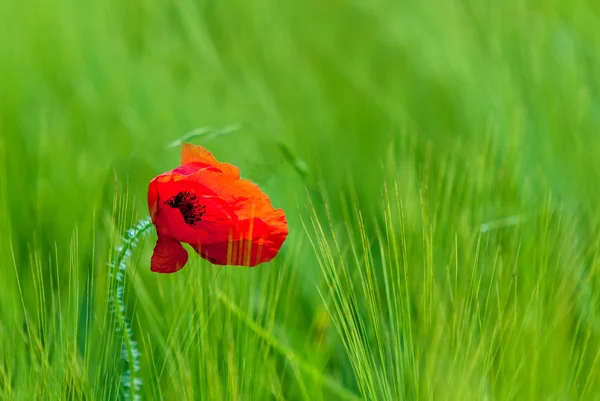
129,349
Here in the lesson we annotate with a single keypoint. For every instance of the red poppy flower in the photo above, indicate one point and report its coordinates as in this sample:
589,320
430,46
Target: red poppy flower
205,203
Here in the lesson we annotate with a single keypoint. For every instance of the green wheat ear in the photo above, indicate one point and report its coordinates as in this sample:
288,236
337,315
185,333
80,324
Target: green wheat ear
129,351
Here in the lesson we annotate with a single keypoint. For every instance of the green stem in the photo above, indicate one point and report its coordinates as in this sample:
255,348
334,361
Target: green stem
129,350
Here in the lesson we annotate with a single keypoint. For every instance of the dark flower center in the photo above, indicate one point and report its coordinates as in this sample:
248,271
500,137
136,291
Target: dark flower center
187,203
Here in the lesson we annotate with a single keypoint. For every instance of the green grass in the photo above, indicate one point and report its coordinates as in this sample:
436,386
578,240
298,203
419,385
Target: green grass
438,164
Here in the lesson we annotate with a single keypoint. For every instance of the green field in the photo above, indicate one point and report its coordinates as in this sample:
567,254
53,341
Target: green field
438,162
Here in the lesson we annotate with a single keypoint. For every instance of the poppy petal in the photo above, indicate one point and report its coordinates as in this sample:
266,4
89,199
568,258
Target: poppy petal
188,212
236,253
169,256
254,243
195,153
243,196
153,200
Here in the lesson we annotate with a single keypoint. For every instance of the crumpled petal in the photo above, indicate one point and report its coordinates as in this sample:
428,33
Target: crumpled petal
253,244
197,154
243,196
168,257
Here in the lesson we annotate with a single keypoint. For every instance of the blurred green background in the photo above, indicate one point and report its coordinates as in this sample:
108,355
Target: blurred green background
438,163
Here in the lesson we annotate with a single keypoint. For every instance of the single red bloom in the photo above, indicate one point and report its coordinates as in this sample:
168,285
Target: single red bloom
205,203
